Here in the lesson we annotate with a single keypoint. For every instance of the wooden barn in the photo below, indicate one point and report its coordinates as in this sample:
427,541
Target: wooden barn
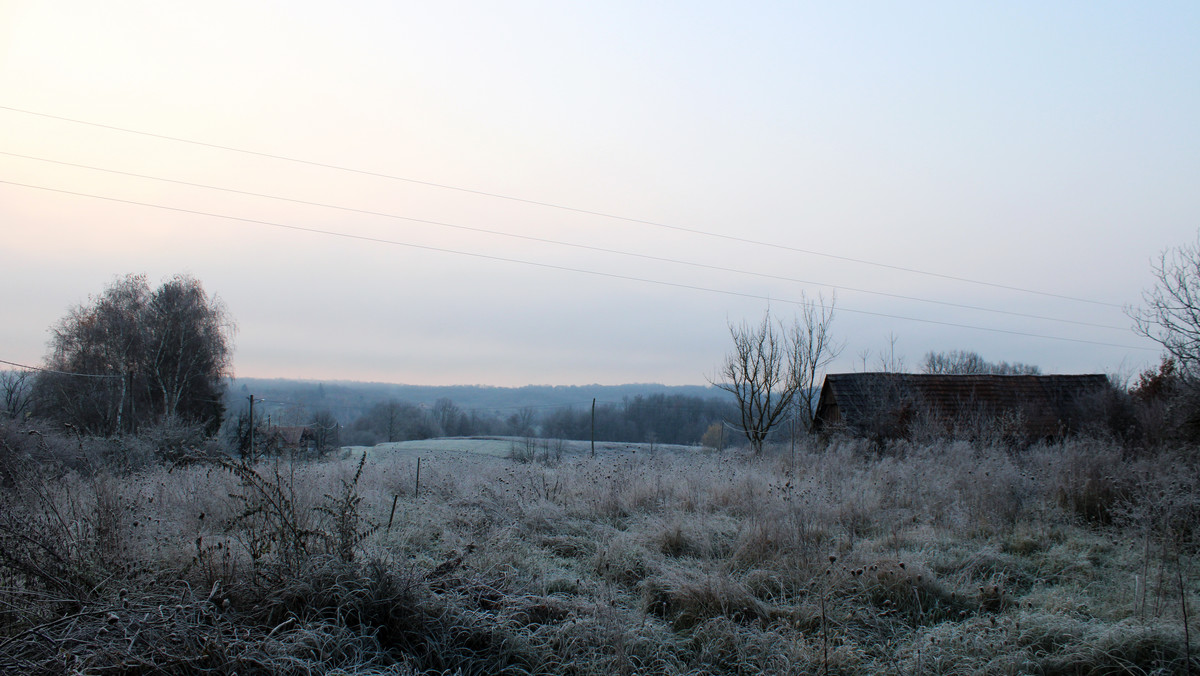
895,405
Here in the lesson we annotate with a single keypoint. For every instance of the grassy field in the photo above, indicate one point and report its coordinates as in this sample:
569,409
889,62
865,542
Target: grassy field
512,446
943,558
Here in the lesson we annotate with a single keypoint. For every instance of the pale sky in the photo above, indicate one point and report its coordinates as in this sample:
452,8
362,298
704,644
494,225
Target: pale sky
1053,147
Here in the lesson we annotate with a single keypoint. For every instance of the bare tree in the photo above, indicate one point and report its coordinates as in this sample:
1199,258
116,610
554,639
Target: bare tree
961,362
15,386
813,348
889,361
448,417
521,422
1170,314
771,364
393,413
325,429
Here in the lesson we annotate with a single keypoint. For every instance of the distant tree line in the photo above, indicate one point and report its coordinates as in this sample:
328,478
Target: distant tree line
395,420
291,402
659,418
966,362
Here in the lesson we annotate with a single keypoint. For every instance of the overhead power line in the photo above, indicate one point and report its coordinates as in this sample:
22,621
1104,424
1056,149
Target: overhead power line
544,240
61,373
564,268
561,207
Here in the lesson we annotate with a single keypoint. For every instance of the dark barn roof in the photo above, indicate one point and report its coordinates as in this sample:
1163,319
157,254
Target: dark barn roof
885,404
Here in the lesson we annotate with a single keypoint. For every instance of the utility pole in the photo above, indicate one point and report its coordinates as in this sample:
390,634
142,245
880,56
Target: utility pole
120,427
795,427
132,411
252,428
593,427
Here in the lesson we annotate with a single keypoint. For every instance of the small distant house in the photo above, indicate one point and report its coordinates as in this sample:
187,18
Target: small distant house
291,439
895,405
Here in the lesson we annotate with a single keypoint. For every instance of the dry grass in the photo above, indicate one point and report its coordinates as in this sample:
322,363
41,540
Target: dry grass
940,558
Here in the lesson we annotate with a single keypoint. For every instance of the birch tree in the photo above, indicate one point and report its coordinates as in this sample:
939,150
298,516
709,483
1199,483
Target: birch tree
132,356
188,351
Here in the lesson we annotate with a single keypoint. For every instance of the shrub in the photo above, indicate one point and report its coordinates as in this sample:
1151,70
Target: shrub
714,437
687,598
1090,480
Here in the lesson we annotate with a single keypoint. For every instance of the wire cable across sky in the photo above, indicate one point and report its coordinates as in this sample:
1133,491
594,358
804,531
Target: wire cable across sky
561,207
60,373
551,266
661,259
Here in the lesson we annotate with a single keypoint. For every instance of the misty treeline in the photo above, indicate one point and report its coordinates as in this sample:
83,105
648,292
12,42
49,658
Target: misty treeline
369,413
668,419
654,418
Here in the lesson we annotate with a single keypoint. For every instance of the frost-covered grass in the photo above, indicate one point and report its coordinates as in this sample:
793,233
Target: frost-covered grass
941,558
508,446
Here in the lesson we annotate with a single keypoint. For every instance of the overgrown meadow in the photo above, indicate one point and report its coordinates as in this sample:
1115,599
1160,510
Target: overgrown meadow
840,557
